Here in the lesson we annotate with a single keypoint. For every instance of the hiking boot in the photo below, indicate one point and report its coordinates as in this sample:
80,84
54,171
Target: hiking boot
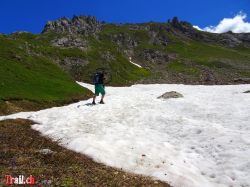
93,103
101,102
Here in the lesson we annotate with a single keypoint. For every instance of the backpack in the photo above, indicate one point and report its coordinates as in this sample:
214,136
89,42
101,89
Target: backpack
96,79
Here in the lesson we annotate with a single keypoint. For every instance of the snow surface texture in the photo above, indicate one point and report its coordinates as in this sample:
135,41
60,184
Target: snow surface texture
202,139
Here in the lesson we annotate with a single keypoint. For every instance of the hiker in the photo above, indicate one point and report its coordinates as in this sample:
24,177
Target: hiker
99,86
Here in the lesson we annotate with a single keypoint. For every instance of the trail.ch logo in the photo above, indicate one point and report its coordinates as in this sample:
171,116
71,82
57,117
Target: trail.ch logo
9,180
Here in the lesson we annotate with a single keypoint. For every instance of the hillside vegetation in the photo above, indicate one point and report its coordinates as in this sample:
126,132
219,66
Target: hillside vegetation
30,79
171,52
43,68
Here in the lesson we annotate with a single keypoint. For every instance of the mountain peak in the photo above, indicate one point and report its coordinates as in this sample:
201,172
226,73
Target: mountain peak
85,25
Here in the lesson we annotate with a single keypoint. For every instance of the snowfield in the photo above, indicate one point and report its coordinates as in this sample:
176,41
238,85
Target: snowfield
130,60
200,140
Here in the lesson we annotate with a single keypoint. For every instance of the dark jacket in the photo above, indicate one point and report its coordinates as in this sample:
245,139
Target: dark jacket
99,78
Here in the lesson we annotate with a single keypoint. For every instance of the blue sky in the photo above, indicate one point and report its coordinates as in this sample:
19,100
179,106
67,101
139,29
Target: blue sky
31,15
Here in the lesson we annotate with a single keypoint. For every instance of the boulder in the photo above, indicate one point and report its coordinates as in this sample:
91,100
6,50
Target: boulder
168,95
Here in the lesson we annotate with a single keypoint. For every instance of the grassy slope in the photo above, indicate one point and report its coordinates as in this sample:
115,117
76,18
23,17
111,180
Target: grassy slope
192,56
206,54
27,74
27,71
122,71
225,63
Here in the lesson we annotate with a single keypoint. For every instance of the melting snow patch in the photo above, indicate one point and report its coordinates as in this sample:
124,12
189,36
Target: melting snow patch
130,60
202,139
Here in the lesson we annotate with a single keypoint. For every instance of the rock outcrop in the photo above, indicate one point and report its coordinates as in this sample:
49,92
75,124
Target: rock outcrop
161,48
89,25
69,42
73,65
123,39
155,56
229,39
83,25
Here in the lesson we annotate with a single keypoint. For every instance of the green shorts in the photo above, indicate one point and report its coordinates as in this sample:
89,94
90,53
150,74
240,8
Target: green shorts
99,88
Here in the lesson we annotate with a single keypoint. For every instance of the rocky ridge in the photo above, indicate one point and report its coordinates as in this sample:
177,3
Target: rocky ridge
146,44
89,25
83,25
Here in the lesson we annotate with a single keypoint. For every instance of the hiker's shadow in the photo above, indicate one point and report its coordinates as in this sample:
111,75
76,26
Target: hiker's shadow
88,104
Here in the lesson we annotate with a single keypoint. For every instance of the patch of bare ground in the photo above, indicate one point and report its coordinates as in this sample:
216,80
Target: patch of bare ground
13,106
23,151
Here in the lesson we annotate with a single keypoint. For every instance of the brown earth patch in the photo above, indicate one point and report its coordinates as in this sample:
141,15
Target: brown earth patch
20,154
13,106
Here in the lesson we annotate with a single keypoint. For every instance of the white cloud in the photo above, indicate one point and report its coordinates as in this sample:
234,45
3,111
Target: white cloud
236,25
197,27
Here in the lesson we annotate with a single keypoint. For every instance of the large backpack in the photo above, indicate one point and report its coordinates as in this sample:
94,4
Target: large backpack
96,79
